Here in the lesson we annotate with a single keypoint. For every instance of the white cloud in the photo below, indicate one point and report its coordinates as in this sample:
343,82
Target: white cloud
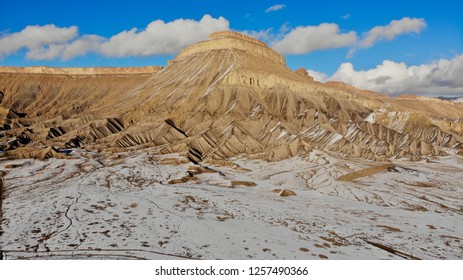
46,52
275,8
82,46
442,77
34,37
160,37
318,76
389,32
66,51
305,39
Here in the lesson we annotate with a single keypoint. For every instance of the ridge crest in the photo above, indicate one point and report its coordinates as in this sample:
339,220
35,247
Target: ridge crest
232,40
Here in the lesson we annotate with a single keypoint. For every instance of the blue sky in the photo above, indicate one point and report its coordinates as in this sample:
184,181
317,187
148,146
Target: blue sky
374,45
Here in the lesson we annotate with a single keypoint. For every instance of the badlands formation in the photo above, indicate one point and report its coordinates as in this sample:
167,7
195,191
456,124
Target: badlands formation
225,153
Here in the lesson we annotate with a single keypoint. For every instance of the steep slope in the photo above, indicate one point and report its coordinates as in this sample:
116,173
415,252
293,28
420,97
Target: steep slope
37,106
225,96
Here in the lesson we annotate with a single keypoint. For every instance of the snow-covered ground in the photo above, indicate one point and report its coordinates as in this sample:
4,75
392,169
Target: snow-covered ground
123,207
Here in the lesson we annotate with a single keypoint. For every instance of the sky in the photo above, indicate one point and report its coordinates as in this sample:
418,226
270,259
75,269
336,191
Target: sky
395,47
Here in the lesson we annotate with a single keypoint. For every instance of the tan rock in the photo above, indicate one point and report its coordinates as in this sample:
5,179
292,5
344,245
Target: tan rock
303,73
232,40
243,183
81,71
227,96
287,192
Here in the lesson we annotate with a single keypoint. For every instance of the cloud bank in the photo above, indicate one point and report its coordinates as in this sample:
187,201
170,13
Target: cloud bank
159,37
50,42
162,38
306,39
392,30
389,32
34,37
442,77
68,50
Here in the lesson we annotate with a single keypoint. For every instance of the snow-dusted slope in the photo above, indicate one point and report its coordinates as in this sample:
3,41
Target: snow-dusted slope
201,158
133,205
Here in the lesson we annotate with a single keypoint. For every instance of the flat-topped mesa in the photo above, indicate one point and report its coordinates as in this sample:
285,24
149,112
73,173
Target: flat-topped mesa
81,71
232,40
222,34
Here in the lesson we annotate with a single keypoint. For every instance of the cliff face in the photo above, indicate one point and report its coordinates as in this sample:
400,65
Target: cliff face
232,40
219,98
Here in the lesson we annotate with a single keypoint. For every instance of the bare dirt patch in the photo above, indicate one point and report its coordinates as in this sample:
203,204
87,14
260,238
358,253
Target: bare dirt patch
364,172
389,228
243,183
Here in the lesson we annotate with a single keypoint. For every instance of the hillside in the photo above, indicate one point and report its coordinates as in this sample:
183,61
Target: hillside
222,97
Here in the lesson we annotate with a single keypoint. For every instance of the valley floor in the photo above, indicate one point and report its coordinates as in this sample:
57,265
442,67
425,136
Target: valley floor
128,207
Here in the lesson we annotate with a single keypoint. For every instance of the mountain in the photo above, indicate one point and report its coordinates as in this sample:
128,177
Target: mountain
224,153
223,97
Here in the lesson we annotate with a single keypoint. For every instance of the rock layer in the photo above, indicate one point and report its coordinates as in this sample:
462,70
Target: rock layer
228,39
81,71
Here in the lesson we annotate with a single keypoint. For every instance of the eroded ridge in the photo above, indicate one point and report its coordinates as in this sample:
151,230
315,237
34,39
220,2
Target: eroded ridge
81,71
240,36
232,40
224,97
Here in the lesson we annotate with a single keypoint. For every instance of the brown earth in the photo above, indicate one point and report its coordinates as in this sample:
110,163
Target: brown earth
243,183
364,172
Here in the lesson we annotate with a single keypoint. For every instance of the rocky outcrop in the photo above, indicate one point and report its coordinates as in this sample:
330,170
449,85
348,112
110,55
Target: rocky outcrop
303,73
